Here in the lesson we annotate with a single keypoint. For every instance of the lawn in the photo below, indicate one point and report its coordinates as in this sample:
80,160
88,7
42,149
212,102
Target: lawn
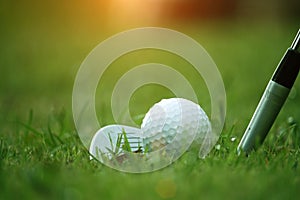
41,156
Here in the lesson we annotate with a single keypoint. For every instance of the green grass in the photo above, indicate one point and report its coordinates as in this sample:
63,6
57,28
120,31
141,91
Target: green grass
41,156
53,164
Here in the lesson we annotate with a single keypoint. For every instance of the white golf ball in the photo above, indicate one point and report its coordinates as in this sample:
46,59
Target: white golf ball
172,122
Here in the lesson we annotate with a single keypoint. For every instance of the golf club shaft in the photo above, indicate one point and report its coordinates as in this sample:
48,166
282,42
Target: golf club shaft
273,99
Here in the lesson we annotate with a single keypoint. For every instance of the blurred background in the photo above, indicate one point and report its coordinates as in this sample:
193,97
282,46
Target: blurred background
44,42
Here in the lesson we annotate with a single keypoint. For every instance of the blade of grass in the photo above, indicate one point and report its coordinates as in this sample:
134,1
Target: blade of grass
51,135
30,118
118,145
30,128
126,146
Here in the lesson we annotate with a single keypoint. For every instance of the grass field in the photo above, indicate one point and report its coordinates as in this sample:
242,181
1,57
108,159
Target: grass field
41,156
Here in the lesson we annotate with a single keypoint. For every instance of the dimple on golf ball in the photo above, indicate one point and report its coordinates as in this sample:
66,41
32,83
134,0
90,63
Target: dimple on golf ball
172,122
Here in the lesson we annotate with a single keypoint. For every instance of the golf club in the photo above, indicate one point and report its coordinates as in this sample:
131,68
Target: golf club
272,99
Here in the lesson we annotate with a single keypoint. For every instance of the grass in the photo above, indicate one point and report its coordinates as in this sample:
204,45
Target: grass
41,156
52,164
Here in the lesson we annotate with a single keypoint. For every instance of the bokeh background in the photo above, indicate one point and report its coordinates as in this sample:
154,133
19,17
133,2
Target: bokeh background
43,43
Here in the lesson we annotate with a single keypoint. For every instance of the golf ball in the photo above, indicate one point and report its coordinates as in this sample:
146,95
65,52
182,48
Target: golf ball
172,122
